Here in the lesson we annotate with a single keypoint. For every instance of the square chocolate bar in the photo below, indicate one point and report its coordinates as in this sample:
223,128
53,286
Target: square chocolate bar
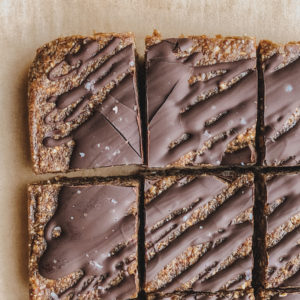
281,69
283,236
83,104
198,234
82,240
201,100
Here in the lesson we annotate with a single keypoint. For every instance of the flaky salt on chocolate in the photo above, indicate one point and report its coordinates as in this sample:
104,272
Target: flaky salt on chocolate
82,240
199,234
201,99
281,68
83,104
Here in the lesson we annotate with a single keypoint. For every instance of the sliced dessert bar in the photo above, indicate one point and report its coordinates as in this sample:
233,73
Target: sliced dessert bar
281,69
283,236
83,104
198,234
201,100
82,240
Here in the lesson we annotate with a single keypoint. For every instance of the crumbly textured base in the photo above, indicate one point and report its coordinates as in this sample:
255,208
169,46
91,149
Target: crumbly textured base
213,51
290,51
40,88
42,203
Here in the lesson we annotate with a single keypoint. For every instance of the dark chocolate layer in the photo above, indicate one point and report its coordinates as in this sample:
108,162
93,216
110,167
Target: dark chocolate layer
111,134
283,239
93,231
191,110
199,235
282,104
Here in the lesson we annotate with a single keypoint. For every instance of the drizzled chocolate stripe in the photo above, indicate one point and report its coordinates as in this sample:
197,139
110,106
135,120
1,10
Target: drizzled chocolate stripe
283,238
213,105
196,240
105,98
93,231
282,104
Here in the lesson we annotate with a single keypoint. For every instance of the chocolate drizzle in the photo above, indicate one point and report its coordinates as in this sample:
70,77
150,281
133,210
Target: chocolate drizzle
95,236
211,104
95,124
282,111
198,235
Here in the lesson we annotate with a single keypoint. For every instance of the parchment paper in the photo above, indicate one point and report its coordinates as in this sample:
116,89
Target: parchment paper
27,24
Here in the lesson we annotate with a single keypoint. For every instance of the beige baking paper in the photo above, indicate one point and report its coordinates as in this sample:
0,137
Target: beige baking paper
27,24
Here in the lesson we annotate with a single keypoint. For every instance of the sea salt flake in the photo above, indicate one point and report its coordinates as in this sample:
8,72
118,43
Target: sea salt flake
107,148
54,296
115,109
207,134
185,218
243,121
96,264
116,152
72,218
78,192
131,63
98,145
114,201
288,88
82,154
85,214
248,275
89,86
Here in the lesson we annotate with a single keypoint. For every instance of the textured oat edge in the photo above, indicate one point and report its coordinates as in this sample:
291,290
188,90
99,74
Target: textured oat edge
289,50
230,48
60,161
39,213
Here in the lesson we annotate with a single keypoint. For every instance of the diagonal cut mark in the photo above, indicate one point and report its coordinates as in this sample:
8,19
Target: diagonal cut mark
166,98
119,132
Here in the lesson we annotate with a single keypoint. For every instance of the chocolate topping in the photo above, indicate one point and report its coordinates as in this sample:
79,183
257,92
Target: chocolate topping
284,231
195,108
110,134
282,111
199,235
96,235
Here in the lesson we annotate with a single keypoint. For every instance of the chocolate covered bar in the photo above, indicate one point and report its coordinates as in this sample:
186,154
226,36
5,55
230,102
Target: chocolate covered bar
83,104
82,240
281,69
283,236
198,234
201,100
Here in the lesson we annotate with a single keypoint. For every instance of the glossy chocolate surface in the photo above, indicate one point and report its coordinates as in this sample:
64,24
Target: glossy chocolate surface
96,236
189,109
